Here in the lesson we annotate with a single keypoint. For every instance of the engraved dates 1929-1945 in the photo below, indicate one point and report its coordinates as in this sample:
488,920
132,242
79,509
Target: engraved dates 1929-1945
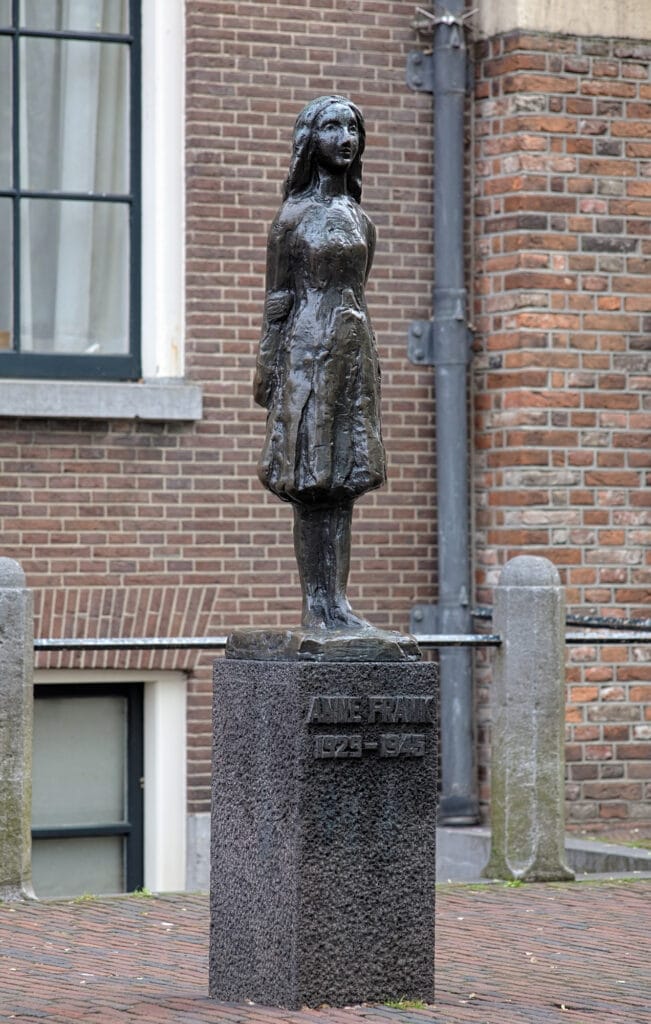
388,744
376,709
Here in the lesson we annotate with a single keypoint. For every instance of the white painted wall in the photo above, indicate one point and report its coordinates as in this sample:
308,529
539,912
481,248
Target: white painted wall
163,187
165,782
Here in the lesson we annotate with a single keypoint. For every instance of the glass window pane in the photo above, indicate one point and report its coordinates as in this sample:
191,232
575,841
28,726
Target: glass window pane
6,275
6,148
5,13
74,277
76,15
73,867
79,768
74,107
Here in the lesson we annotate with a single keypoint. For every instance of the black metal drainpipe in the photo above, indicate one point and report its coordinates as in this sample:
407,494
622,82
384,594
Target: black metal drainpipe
451,345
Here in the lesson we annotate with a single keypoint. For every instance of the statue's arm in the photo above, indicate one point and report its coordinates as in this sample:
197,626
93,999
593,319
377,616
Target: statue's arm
279,299
371,236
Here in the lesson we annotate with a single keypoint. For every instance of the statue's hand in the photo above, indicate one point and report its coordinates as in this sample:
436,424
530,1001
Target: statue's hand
276,310
349,310
277,305
263,385
351,315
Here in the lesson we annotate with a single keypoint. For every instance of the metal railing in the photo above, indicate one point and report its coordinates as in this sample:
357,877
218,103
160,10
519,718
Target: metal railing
218,643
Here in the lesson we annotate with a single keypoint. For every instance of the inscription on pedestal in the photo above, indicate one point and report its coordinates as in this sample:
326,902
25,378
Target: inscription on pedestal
335,710
385,709
390,744
376,709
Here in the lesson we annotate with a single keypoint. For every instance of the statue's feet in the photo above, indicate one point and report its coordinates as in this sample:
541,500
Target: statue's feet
336,616
314,616
345,618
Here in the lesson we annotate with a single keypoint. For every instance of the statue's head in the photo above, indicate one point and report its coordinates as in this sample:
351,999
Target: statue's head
304,162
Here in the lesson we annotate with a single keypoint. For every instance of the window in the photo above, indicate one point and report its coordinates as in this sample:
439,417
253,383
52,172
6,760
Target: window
156,141
70,189
164,758
87,803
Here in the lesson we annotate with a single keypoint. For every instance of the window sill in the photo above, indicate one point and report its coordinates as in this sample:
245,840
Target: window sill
154,400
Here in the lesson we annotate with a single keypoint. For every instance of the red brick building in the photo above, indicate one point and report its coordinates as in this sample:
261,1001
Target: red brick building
130,495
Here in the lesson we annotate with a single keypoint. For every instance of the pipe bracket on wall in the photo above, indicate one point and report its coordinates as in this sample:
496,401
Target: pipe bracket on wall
419,74
424,619
420,348
429,344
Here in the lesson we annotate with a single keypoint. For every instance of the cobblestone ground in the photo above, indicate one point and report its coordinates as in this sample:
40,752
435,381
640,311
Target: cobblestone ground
540,954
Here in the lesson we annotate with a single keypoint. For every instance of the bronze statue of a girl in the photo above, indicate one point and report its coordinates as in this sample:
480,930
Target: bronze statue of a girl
317,372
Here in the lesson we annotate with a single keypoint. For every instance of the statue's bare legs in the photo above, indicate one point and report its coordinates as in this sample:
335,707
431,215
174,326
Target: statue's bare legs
322,544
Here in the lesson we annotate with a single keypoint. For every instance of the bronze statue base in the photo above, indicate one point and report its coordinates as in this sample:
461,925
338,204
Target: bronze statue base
301,644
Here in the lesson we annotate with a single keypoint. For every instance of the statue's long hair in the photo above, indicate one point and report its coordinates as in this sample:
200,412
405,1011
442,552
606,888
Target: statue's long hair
303,168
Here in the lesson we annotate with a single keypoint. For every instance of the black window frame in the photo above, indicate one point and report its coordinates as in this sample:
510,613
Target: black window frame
132,829
65,366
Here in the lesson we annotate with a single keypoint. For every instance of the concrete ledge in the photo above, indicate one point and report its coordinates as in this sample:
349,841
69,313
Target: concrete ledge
161,400
461,854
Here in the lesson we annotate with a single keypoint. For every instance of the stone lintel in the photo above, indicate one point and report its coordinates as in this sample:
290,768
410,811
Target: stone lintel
623,19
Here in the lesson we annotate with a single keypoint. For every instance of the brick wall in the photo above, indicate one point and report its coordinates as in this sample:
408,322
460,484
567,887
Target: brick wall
561,391
250,68
129,529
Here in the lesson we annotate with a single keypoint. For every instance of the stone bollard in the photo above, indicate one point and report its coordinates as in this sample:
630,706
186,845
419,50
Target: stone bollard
528,715
16,711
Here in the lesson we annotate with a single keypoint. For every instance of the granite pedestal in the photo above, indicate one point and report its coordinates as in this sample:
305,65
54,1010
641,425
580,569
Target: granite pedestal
323,832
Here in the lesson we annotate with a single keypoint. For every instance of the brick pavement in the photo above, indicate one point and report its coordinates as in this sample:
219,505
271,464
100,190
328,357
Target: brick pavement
572,954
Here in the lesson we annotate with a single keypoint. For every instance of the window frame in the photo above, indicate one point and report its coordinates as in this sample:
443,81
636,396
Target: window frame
131,830
65,366
165,764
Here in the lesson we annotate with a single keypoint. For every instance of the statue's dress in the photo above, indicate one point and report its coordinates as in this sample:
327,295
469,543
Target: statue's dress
318,370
